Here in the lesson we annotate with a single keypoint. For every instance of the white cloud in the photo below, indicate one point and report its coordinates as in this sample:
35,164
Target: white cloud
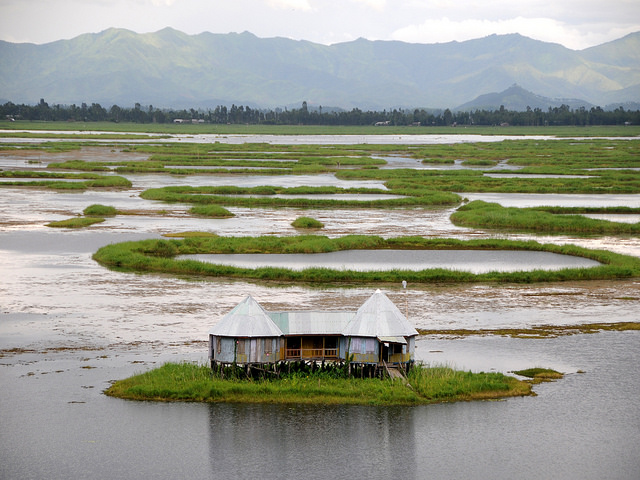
544,29
162,3
374,4
289,4
574,23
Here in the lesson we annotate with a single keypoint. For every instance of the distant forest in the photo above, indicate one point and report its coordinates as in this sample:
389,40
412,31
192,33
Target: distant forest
563,115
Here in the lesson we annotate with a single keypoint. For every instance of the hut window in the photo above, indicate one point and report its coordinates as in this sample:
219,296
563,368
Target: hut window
218,345
370,346
268,346
240,344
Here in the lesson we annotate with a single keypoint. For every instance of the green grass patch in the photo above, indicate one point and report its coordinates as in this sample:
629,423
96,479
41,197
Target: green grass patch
437,384
195,383
78,222
300,197
61,181
211,211
602,164
100,210
480,214
307,223
539,331
170,128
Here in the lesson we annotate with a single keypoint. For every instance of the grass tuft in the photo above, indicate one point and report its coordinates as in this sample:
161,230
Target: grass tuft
78,222
307,222
211,211
100,210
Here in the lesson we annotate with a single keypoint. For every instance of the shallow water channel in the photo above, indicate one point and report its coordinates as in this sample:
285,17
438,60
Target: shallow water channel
69,326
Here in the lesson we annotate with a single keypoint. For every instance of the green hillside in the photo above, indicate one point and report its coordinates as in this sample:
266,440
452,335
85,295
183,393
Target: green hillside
171,69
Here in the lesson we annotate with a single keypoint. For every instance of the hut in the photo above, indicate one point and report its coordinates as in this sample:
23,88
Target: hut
379,333
376,334
245,335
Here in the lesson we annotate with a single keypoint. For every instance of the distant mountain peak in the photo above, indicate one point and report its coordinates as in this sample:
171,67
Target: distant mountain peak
170,68
518,99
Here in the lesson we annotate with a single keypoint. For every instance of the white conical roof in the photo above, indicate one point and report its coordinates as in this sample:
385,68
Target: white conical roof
247,319
379,317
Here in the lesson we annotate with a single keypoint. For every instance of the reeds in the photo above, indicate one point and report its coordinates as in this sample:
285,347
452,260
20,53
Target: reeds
442,383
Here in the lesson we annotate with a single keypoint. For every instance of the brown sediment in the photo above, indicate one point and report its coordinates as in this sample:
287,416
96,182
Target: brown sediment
543,331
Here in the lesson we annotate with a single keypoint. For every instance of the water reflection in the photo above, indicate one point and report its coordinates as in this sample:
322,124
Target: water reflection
312,442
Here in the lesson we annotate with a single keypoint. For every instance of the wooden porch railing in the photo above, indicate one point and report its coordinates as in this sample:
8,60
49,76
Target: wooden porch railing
311,353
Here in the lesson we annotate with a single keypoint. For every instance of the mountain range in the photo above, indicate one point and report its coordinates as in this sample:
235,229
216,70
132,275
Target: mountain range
169,68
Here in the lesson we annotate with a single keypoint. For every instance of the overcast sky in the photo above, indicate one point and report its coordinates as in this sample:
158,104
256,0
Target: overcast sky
576,24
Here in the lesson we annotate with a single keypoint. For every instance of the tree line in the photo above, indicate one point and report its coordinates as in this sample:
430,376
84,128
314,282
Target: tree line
563,115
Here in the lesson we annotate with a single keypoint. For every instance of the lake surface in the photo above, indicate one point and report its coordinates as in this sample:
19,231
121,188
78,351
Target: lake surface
580,431
68,327
474,261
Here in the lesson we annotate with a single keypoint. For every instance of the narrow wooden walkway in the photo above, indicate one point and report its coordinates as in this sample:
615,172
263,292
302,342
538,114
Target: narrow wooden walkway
393,371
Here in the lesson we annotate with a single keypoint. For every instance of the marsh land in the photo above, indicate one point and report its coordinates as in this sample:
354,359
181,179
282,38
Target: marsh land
70,326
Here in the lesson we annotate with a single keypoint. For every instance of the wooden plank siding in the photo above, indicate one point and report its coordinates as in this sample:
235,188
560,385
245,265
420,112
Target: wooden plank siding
246,350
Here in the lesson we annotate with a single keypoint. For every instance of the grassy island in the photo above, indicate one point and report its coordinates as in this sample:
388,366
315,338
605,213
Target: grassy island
298,197
62,181
538,374
158,256
76,222
194,383
480,214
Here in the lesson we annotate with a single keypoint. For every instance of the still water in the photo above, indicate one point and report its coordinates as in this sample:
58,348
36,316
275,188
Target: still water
68,327
474,261
56,423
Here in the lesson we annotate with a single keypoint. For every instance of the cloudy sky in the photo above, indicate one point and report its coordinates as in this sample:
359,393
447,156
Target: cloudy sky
576,24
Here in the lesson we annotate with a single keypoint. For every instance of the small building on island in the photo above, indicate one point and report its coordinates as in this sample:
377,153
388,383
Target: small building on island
377,334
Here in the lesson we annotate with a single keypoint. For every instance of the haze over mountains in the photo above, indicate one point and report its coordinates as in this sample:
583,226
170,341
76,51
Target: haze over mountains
171,69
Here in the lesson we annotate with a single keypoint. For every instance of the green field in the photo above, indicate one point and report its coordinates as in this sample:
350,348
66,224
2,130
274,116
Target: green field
197,129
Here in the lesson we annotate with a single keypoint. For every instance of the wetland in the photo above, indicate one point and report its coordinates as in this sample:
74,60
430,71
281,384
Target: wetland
69,327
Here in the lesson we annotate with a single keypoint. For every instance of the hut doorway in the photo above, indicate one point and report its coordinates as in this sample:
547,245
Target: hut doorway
384,352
